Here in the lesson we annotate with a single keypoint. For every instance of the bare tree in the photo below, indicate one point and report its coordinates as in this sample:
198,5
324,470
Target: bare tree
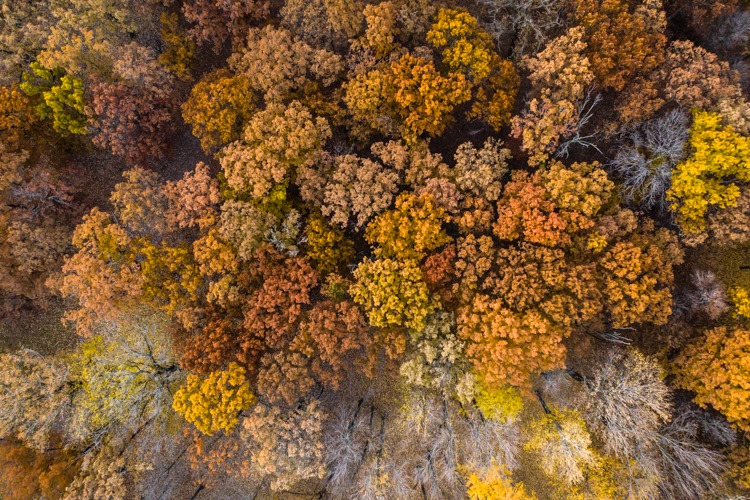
526,24
647,156
626,402
689,470
428,442
731,34
576,135
490,442
712,425
382,474
346,443
708,295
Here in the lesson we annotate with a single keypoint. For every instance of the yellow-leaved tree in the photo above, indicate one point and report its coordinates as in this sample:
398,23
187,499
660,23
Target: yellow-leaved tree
215,402
409,231
218,108
392,293
465,47
717,369
408,97
494,484
709,177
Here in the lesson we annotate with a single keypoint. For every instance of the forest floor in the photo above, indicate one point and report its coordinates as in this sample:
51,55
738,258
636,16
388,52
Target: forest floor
42,331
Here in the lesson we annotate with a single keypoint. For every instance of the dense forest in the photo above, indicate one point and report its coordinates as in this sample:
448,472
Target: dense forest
375,249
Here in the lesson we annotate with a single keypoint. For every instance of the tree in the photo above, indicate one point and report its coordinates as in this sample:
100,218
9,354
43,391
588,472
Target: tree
691,76
507,347
335,337
542,126
697,78
313,23
179,52
715,368
125,375
245,226
326,245
193,200
275,142
409,97
219,107
35,393
560,75
561,70
358,187
727,227
31,253
16,116
24,27
704,180
409,231
740,461
36,207
465,47
501,403
29,474
139,202
627,402
171,278
218,263
286,447
282,287
59,98
284,378
439,270
563,445
86,35
469,50
103,477
646,161
549,207
392,292
98,275
279,65
116,264
480,172
436,360
131,122
637,273
213,21
382,30
214,403
621,44
517,303
495,485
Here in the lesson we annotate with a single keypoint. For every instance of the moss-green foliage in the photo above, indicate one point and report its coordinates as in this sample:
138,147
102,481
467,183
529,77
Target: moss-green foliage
60,98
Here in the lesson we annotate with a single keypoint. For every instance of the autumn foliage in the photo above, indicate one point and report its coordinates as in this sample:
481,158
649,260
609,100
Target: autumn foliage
374,250
714,367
